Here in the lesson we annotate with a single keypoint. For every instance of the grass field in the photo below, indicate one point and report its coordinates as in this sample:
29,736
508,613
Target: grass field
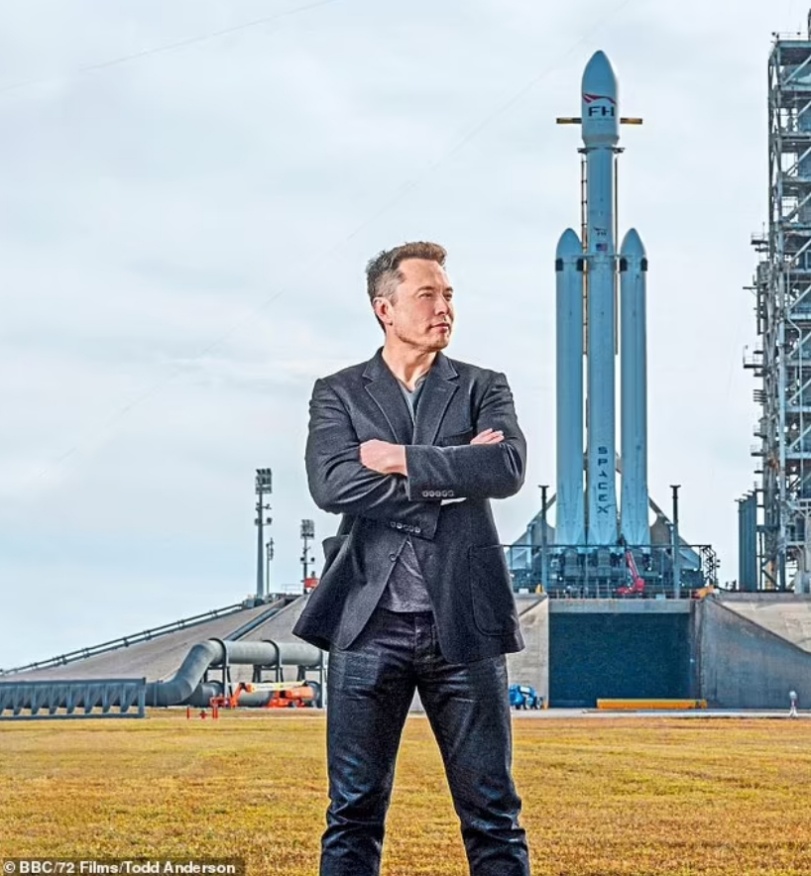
611,796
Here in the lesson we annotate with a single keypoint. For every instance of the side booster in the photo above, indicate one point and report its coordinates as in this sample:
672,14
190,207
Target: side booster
590,269
633,267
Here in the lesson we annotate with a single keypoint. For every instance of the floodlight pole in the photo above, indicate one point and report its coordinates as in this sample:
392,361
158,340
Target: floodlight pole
307,532
264,485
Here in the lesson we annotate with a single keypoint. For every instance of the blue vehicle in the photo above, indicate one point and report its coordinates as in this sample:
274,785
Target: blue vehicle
524,696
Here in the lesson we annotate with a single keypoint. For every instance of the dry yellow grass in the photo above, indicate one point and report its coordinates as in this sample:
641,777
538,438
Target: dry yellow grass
601,797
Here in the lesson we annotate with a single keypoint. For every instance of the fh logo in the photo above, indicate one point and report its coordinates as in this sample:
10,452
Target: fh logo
606,110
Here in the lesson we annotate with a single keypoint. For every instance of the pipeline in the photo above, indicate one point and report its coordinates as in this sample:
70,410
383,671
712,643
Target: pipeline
185,687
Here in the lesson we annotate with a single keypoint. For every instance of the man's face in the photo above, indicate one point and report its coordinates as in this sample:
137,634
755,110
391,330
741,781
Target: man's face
420,313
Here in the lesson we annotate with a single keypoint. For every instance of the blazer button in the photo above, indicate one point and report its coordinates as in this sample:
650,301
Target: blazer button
417,530
393,558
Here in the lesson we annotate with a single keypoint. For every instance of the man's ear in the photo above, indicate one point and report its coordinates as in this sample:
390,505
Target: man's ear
382,308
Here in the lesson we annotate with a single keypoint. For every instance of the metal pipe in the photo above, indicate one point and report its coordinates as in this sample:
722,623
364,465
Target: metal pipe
544,549
676,543
187,687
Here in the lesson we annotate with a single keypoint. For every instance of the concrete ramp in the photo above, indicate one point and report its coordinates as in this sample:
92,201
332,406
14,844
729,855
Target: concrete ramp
279,628
785,615
159,658
752,649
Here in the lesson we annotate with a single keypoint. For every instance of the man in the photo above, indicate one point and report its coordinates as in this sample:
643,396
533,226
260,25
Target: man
415,592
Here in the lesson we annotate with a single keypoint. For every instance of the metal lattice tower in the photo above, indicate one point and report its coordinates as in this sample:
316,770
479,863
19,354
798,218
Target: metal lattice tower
782,286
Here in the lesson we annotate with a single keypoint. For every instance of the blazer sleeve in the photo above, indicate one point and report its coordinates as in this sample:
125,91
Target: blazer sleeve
340,484
473,471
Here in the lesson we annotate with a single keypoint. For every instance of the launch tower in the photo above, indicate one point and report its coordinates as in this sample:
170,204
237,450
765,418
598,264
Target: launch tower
775,518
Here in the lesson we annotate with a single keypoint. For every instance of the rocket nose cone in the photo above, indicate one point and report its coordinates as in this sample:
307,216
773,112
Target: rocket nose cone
599,77
599,107
568,245
632,245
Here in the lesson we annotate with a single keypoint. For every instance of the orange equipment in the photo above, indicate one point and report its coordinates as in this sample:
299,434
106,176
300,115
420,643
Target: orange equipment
702,592
292,696
281,695
232,701
637,587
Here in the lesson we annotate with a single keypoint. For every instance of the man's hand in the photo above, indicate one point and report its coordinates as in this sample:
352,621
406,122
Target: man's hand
383,457
489,436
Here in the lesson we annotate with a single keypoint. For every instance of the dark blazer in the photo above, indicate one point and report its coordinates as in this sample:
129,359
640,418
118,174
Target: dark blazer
456,543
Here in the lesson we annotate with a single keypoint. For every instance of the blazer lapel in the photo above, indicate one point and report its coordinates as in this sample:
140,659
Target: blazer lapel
382,386
435,396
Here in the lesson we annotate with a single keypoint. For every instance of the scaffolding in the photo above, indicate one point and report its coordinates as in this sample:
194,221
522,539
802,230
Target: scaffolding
782,287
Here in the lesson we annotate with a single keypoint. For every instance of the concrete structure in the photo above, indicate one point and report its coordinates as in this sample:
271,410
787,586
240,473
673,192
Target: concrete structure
531,666
737,650
752,650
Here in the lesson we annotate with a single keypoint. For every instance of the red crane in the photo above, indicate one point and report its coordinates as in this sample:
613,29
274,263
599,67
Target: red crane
637,585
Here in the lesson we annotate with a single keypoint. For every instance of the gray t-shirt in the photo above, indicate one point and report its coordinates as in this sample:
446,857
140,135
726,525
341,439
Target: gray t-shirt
406,590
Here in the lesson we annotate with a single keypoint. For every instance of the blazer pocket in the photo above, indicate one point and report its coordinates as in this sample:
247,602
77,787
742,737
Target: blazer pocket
332,547
491,590
456,439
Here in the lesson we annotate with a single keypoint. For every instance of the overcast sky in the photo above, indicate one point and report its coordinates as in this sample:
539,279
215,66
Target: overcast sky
190,192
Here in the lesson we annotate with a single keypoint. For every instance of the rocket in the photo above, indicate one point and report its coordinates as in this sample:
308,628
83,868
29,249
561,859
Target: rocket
588,514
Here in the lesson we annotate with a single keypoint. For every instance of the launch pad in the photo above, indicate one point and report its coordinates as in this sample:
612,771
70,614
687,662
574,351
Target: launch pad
586,572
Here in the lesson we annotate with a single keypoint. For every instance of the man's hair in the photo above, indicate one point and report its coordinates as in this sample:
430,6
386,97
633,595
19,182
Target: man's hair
383,274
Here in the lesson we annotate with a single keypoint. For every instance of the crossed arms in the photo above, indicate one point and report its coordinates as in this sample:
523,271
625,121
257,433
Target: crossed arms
387,458
405,484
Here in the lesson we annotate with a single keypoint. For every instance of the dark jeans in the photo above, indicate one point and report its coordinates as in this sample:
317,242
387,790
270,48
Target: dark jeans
370,687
